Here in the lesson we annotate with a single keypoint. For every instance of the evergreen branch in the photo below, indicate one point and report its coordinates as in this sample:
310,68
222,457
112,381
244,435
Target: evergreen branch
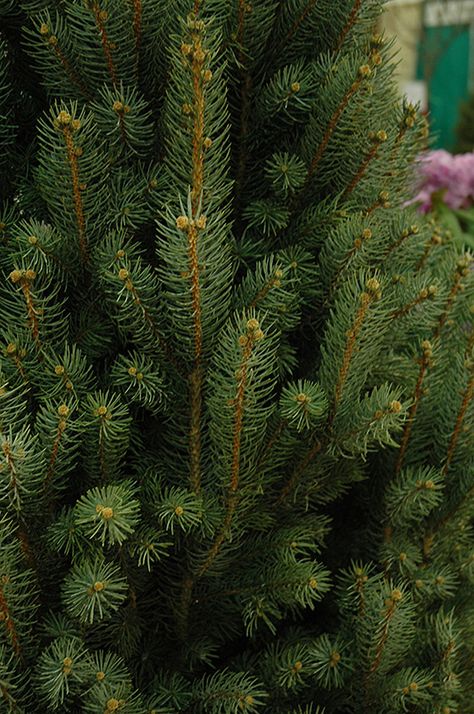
299,21
429,537
425,363
366,299
67,127
274,281
349,25
408,121
137,27
53,42
407,233
241,25
424,294
195,379
435,240
121,117
299,470
391,608
146,313
10,462
372,154
25,278
195,387
364,72
357,245
63,412
195,289
382,201
279,584
245,108
271,443
16,355
100,17
248,343
467,397
26,548
7,618
462,270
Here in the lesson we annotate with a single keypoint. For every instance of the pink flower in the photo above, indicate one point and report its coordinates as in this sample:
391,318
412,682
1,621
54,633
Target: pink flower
449,176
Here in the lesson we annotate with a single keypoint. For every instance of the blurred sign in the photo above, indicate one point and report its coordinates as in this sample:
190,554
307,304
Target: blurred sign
449,12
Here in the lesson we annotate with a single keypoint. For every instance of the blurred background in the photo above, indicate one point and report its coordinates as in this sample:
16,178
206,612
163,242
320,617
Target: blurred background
435,43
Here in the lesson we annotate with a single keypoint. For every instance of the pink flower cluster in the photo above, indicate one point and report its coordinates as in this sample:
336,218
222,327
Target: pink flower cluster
450,176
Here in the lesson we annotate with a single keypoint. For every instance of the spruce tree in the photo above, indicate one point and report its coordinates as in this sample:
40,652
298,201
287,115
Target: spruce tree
237,376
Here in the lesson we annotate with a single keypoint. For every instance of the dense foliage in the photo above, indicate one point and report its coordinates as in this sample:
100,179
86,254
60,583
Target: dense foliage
237,378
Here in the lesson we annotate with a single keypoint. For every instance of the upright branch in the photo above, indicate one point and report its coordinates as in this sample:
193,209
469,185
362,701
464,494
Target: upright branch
299,470
245,104
67,125
297,23
391,606
101,17
148,317
424,294
63,413
425,363
349,24
462,271
377,140
364,72
137,28
196,57
6,617
467,398
53,42
405,235
247,343
371,294
367,298
24,278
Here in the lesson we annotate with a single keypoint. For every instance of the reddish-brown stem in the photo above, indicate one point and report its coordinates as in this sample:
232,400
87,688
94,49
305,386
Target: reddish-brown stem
76,191
271,443
403,311
137,27
383,638
151,322
232,494
349,25
54,454
299,20
298,471
262,294
424,364
70,72
467,398
451,298
349,351
195,378
371,155
98,14
396,244
32,312
7,619
329,131
195,382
